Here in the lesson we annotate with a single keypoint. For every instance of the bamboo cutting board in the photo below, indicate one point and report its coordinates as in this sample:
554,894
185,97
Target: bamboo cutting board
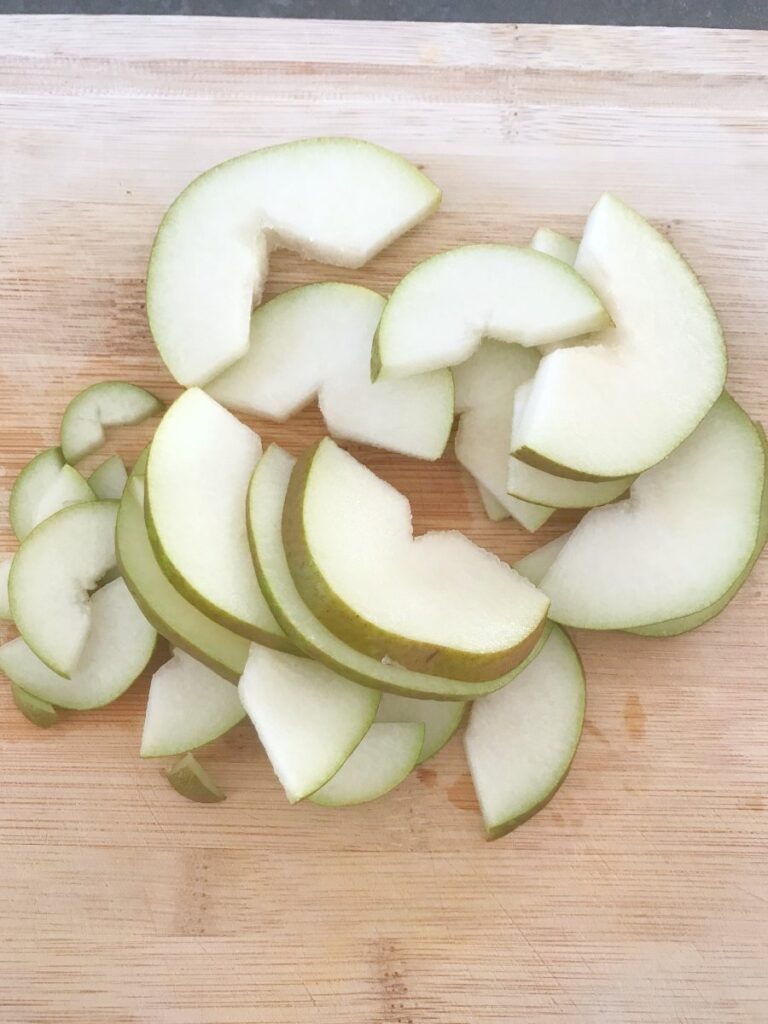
640,895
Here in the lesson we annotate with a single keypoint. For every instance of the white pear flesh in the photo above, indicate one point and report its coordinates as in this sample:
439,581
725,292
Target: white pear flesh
108,480
68,488
556,245
676,545
308,718
336,200
199,467
494,509
29,487
440,718
171,614
188,706
110,403
621,403
119,645
266,500
440,605
384,758
52,573
520,742
536,565
440,311
315,342
5,604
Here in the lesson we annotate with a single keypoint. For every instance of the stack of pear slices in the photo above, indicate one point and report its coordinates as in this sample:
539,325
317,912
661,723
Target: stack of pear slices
293,591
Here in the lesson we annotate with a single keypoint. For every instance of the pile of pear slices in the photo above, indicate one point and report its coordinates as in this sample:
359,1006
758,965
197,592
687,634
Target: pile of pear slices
585,375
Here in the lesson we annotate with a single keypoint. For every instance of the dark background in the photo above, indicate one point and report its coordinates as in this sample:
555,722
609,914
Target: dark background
709,13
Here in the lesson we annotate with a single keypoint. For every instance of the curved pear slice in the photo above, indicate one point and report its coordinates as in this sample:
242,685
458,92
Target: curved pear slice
180,622
110,403
336,200
191,780
495,511
188,706
556,245
442,309
38,712
5,604
623,402
520,742
315,341
440,718
69,488
678,543
199,467
266,500
29,487
384,758
308,718
53,571
536,565
440,604
119,645
108,480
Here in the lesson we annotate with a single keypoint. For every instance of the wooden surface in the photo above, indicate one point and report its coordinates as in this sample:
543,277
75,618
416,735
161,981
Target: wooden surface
641,893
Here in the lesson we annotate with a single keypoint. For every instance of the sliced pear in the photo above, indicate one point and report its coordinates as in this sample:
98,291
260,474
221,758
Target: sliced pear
108,480
623,402
384,758
38,712
308,718
441,310
678,543
537,564
191,780
110,403
520,742
5,604
119,645
266,500
68,488
493,508
53,571
180,622
315,341
554,244
198,470
188,706
440,718
336,200
30,485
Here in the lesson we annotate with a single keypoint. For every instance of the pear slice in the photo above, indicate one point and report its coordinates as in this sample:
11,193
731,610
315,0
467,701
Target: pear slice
537,564
68,488
384,758
180,622
30,485
494,509
679,542
554,244
198,470
38,712
108,480
520,742
188,706
119,645
5,604
58,563
440,718
441,310
308,718
191,780
623,402
110,403
336,200
266,500
315,341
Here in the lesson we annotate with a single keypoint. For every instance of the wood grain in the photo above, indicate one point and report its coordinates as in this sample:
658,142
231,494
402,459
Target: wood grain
640,895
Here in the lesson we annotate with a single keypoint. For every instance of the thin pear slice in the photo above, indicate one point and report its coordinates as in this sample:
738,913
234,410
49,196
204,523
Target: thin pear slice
191,780
266,500
554,244
52,573
38,712
5,604
678,543
188,706
110,403
108,480
440,718
30,485
623,402
119,645
440,604
439,313
69,488
493,508
180,622
537,564
336,200
315,341
384,758
308,718
198,470
520,742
